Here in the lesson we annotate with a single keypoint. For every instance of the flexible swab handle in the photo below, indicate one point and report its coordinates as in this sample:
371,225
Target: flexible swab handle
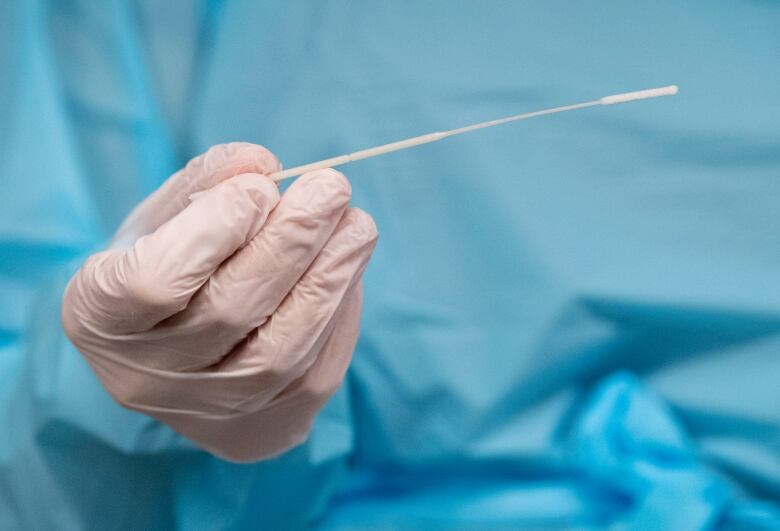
671,90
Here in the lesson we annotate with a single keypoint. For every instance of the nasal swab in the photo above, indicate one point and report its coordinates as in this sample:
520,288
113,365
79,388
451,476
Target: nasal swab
433,137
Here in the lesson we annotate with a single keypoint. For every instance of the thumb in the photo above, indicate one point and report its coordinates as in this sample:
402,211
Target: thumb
220,162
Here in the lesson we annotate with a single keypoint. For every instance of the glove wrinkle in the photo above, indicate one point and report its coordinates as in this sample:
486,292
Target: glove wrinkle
233,315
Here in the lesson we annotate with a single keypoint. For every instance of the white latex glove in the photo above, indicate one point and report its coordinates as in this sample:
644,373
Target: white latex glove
231,316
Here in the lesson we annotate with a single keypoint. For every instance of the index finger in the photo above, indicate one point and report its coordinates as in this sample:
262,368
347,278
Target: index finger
135,289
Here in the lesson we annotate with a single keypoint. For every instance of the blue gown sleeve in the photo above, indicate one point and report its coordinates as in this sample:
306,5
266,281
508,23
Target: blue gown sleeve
56,421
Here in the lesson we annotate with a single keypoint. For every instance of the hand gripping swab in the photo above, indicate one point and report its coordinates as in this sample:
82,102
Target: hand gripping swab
433,137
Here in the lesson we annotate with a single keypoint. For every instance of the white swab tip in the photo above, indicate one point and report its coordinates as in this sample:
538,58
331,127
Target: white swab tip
671,90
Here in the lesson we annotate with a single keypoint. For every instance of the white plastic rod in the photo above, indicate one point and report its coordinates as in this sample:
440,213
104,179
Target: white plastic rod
433,137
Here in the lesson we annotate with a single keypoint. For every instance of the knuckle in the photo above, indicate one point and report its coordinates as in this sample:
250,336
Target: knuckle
238,456
362,224
224,314
273,446
146,282
146,291
276,369
125,398
328,185
299,437
72,323
264,188
227,160
194,166
337,178
319,391
79,294
133,395
252,189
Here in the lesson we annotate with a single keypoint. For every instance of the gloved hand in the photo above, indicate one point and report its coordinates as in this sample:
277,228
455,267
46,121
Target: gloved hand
230,315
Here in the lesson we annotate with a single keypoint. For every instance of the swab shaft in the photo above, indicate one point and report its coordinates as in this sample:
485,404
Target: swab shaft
518,117
359,155
433,137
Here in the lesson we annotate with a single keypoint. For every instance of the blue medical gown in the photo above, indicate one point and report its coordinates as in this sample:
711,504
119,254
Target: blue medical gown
572,323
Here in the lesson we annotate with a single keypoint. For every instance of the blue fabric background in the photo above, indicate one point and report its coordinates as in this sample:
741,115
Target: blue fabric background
572,323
